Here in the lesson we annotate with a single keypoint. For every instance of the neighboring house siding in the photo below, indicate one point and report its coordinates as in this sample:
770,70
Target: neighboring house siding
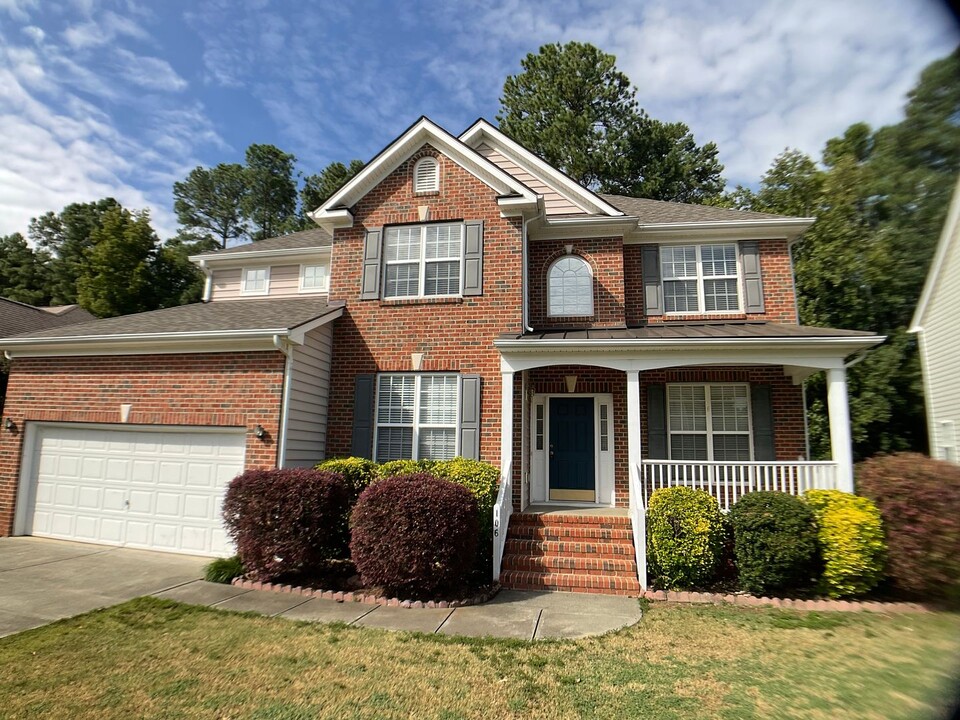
309,390
940,353
454,335
554,202
241,389
284,282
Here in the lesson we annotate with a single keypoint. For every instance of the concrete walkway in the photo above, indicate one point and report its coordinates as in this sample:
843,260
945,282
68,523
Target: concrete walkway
511,614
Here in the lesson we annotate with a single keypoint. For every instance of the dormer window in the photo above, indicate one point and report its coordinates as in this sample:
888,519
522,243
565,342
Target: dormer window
426,175
255,281
570,288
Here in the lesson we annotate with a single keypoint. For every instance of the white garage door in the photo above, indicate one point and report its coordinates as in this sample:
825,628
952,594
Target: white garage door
153,490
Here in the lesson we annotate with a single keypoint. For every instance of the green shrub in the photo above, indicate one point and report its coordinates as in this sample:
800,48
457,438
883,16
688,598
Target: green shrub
358,472
919,500
223,570
851,541
392,468
685,535
774,542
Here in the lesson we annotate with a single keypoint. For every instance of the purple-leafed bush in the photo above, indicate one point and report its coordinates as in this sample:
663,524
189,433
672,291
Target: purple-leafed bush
286,521
415,536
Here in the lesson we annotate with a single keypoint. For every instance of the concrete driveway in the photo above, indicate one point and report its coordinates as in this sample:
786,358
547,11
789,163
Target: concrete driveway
44,580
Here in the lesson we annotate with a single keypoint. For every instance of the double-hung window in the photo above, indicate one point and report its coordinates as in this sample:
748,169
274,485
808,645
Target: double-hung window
417,417
423,260
709,422
700,278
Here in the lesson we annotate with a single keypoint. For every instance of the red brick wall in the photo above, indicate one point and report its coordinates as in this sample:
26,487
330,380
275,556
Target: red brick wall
779,296
455,335
605,256
224,389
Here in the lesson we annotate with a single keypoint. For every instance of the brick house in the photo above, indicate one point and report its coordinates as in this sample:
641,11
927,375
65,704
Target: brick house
459,297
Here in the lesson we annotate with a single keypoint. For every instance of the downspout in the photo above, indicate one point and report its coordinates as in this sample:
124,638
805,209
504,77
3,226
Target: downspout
524,302
284,347
207,280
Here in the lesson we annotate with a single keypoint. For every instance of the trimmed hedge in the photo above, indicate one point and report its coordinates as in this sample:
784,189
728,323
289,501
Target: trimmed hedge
774,542
286,521
415,536
851,542
685,537
919,501
393,468
356,471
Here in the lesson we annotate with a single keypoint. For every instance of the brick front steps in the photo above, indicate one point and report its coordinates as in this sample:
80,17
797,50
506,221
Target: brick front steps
570,552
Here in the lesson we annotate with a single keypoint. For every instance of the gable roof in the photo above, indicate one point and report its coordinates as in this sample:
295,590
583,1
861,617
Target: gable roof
305,239
938,267
17,317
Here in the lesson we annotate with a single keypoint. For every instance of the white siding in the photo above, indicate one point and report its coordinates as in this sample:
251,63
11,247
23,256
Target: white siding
553,201
307,420
940,355
284,282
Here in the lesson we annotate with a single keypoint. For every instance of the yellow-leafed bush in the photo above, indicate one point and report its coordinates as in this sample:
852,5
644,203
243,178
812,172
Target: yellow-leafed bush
685,535
358,472
851,539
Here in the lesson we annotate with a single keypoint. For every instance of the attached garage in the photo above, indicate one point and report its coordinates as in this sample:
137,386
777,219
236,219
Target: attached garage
153,488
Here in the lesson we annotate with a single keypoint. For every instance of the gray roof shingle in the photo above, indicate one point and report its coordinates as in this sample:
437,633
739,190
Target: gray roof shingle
17,317
314,237
659,211
694,331
225,315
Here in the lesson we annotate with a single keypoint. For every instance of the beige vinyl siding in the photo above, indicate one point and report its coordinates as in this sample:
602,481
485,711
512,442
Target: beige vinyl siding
309,390
940,354
284,282
553,201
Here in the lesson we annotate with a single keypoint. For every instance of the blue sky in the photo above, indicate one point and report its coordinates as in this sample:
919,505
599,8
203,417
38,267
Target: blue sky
123,97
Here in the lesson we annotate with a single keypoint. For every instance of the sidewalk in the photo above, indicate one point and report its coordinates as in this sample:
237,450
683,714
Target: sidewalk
511,614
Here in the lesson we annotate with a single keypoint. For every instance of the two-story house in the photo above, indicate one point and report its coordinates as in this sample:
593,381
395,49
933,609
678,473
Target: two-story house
459,297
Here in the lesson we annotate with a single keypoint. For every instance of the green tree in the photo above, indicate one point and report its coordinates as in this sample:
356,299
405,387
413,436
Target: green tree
23,272
67,235
575,109
179,281
270,199
208,202
317,188
118,276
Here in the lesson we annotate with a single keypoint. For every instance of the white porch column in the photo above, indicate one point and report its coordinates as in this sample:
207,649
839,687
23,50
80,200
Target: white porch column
506,427
841,442
638,517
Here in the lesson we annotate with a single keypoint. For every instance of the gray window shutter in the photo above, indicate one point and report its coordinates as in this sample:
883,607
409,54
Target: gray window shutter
473,258
361,443
652,287
657,422
752,277
470,416
762,402
370,284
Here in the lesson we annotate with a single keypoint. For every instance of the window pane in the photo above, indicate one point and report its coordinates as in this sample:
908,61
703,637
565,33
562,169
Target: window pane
255,279
688,447
728,408
438,400
720,295
680,296
442,278
394,443
402,280
731,448
678,261
718,259
570,288
314,277
687,408
443,241
402,244
437,444
395,399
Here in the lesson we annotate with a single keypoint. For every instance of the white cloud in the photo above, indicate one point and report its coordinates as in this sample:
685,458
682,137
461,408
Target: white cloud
149,72
34,33
19,9
104,30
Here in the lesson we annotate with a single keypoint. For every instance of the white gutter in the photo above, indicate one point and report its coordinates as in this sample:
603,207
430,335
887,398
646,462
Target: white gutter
14,342
283,346
207,278
684,343
239,256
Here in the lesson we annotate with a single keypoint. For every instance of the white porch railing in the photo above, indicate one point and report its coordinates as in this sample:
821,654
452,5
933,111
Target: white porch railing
502,510
728,482
638,522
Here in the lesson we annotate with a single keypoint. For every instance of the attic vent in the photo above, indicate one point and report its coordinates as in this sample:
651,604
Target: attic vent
426,175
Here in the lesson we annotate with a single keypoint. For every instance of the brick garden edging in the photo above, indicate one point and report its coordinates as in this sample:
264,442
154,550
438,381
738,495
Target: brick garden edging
367,599
744,600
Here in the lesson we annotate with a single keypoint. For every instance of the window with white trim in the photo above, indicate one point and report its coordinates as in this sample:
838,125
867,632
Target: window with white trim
709,422
700,278
422,260
570,288
426,175
255,281
314,278
417,417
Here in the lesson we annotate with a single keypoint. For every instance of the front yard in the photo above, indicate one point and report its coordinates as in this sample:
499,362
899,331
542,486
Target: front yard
157,659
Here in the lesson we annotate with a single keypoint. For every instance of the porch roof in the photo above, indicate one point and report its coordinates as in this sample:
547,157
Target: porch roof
691,331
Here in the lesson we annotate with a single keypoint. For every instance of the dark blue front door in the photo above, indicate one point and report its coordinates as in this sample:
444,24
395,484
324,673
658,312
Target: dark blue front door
572,456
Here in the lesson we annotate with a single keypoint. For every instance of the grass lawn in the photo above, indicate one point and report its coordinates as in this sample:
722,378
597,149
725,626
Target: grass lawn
153,658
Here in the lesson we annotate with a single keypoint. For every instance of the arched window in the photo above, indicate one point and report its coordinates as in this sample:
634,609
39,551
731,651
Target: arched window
426,175
570,288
